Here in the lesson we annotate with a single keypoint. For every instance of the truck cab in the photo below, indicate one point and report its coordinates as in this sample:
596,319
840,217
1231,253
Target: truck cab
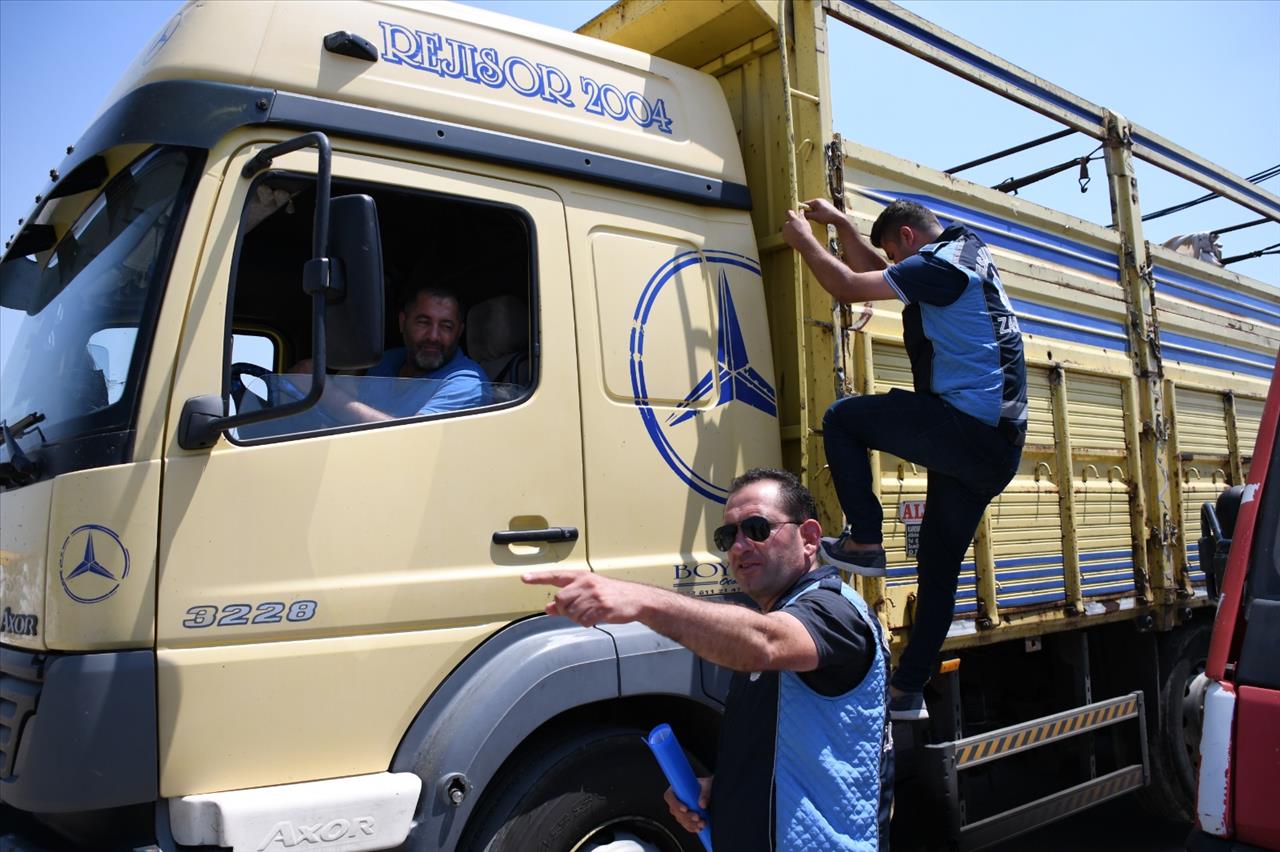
254,593
1240,688
238,616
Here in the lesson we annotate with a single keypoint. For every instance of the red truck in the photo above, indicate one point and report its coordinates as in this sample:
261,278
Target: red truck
1239,796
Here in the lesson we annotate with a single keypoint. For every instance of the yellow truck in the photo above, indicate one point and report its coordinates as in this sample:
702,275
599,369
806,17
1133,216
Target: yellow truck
235,618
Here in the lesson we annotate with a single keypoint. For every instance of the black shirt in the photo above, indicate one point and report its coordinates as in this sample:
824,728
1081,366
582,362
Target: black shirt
742,792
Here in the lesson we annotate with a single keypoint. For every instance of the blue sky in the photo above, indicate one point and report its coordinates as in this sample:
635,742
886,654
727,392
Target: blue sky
1203,74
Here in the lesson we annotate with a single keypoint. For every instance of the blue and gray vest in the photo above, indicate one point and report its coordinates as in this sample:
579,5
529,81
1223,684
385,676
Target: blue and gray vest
972,353
833,757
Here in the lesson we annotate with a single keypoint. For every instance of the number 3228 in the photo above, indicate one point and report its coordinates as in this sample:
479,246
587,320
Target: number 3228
235,615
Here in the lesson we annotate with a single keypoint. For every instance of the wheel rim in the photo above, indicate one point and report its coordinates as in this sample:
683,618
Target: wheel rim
650,835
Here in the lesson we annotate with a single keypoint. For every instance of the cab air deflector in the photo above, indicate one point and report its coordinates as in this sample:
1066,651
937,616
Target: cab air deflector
504,149
197,113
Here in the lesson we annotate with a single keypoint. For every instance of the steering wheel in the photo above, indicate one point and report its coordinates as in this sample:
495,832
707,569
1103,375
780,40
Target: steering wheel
242,368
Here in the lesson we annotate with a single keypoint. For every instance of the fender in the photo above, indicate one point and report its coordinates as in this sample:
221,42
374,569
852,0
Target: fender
525,675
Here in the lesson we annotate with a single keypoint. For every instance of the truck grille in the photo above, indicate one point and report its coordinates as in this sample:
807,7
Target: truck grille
21,679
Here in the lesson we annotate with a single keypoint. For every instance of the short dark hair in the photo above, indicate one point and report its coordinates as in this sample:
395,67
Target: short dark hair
795,499
409,295
902,212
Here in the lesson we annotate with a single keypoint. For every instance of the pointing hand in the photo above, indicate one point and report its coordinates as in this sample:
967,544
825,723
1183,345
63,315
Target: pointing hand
590,599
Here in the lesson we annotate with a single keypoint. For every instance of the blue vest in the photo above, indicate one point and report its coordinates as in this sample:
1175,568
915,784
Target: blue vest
830,755
978,363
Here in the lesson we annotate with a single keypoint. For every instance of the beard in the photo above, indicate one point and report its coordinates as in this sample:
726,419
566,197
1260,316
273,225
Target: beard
428,360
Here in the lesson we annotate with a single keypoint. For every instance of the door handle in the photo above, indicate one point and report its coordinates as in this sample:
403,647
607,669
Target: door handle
525,536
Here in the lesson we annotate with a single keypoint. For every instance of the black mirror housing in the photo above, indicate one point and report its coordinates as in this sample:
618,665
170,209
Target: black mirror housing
355,302
1217,525
1228,507
20,284
344,281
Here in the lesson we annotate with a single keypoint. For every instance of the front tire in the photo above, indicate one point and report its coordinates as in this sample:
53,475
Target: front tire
578,794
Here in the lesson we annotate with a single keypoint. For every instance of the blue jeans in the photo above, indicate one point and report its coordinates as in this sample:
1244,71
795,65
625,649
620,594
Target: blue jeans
969,463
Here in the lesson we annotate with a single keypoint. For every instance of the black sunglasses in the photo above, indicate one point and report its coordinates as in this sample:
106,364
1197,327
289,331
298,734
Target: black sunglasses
755,528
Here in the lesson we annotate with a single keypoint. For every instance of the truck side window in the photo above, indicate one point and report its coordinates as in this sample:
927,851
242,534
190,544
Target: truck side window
105,343
459,283
253,356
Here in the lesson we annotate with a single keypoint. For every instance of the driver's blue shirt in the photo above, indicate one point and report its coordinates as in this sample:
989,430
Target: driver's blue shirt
458,384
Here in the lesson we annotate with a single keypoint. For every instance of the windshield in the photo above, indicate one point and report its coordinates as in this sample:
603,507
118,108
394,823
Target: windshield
76,327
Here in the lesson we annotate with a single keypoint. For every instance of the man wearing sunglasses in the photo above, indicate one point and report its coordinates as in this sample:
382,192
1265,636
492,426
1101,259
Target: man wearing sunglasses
805,758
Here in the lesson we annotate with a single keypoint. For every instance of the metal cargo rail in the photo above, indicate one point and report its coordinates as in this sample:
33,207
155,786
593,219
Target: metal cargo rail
1146,369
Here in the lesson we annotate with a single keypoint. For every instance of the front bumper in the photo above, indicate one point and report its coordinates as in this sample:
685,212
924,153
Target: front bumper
77,731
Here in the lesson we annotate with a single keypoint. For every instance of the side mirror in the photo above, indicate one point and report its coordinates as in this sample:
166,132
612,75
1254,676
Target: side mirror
354,314
20,284
1217,525
345,287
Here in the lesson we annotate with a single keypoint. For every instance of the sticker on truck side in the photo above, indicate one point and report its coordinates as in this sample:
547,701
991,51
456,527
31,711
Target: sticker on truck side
732,380
237,614
92,564
911,513
703,579
20,623
483,66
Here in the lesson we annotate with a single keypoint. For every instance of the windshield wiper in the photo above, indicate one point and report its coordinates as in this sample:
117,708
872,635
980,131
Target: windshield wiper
19,469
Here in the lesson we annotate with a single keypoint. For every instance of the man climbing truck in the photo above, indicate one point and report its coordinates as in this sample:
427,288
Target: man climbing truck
228,624
965,419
